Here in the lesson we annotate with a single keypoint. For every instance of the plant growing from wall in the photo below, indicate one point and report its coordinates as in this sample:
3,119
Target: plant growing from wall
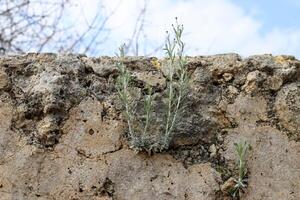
139,131
241,149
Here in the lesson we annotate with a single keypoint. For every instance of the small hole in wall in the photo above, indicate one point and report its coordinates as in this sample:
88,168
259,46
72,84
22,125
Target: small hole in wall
61,92
69,171
91,131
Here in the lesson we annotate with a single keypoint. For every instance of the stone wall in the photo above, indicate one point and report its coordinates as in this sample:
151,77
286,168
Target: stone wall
62,134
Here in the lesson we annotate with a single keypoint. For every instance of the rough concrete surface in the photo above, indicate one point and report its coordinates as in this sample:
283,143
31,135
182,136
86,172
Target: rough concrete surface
62,132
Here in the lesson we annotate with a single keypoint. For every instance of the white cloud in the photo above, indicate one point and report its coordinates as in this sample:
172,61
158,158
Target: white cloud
214,26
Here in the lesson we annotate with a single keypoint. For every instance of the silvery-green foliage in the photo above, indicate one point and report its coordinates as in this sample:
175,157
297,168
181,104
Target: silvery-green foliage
241,149
177,89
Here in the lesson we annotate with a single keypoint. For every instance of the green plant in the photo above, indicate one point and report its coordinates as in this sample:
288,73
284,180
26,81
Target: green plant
241,183
124,89
177,89
139,127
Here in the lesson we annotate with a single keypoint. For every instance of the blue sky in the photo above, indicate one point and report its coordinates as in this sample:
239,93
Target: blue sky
246,27
273,13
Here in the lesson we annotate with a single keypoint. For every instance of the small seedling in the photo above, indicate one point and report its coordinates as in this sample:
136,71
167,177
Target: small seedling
241,183
140,135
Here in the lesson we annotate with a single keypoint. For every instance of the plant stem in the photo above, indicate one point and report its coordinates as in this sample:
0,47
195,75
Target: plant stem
148,108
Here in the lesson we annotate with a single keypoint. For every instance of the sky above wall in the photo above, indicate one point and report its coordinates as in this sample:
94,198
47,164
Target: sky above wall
211,26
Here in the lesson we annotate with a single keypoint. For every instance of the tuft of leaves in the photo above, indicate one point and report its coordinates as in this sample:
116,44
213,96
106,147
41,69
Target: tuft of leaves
177,89
241,149
124,88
